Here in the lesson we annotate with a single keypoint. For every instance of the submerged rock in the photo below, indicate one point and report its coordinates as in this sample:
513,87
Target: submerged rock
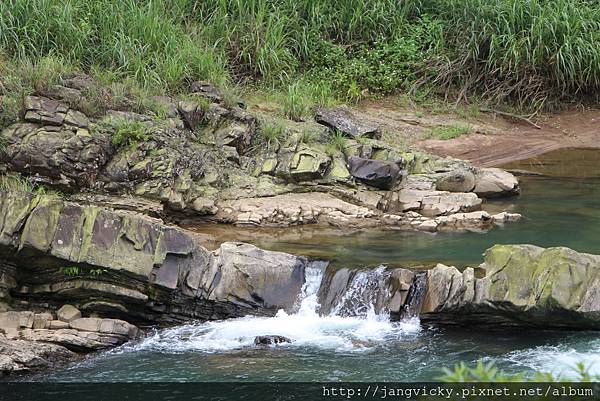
271,340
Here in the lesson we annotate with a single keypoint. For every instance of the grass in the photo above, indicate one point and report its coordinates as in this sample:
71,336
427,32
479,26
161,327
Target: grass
531,53
128,132
18,183
272,133
450,132
338,141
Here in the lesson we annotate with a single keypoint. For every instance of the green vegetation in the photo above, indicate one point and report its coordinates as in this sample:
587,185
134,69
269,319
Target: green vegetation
272,133
18,183
338,141
129,132
449,132
526,52
483,372
73,271
70,271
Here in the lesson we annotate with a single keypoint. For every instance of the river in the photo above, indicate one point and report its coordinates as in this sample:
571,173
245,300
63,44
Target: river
560,209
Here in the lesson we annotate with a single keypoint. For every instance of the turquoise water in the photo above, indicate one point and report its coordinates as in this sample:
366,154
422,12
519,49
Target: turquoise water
557,211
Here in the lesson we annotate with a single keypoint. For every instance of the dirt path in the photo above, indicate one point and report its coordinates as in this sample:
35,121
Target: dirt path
494,140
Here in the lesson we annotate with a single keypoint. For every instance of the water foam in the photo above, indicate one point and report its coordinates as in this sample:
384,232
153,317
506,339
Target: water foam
350,332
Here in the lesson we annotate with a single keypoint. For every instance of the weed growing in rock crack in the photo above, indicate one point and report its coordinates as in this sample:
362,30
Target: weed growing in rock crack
129,132
338,140
450,132
97,272
307,136
272,133
70,271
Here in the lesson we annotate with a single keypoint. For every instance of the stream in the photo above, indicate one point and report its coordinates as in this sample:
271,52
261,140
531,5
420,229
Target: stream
352,342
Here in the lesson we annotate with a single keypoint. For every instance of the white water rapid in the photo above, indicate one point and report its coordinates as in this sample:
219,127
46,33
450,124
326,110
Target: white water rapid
357,331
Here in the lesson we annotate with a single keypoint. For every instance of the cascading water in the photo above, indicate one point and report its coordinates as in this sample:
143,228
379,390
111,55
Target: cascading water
353,325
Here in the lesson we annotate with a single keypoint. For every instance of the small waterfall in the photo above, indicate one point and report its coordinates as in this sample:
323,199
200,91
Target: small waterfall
415,296
366,293
337,309
308,301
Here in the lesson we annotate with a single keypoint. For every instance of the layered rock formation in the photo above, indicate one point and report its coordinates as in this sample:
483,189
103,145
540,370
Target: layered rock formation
126,265
207,158
516,286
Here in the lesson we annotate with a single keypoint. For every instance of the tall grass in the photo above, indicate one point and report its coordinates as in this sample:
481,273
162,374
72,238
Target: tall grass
523,51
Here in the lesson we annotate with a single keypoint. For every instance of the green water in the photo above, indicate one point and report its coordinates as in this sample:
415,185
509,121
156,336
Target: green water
557,212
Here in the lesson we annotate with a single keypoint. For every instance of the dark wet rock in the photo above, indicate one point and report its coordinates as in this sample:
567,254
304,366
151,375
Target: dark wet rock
376,173
495,183
340,119
271,340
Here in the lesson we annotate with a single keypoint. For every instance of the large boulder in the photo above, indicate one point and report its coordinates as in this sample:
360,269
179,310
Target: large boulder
376,173
342,120
495,183
459,180
134,267
524,285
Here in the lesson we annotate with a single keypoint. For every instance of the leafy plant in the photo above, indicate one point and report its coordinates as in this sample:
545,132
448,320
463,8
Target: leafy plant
294,103
97,272
70,271
483,372
272,133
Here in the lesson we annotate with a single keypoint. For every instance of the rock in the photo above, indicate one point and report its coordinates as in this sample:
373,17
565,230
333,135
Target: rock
66,156
206,90
156,273
436,203
342,120
494,183
67,313
58,324
308,164
294,209
192,114
252,276
74,340
460,180
376,173
271,340
42,320
166,105
10,321
17,356
524,285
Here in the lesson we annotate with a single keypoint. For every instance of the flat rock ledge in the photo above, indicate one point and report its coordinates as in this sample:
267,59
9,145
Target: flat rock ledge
32,341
